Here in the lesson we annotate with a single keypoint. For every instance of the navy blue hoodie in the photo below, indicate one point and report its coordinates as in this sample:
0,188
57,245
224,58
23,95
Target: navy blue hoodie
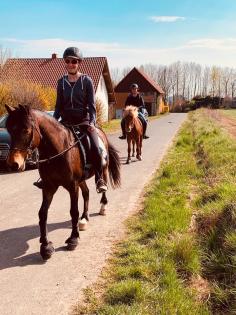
75,103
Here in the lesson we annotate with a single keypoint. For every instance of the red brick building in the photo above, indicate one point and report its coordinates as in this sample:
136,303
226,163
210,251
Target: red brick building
152,93
47,71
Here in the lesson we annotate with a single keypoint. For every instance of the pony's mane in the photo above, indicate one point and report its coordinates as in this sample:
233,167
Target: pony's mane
52,120
130,110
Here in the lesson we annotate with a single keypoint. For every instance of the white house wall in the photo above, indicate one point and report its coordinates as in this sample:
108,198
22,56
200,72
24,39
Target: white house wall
102,95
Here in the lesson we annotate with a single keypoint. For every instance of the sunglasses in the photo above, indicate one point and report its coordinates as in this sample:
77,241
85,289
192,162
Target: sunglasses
72,61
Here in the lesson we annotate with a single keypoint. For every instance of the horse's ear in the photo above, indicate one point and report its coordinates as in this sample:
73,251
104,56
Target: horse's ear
10,109
25,108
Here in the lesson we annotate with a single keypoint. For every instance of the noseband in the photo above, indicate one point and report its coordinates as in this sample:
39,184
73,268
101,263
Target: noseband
131,123
29,149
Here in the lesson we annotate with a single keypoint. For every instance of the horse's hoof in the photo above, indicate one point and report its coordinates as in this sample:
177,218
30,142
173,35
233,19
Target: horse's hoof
139,158
128,161
46,250
71,243
83,223
103,210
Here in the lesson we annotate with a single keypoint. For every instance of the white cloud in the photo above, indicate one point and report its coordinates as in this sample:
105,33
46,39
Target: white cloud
213,43
204,51
57,45
166,18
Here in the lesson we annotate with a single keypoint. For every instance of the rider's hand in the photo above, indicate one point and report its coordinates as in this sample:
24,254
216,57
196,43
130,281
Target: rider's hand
91,127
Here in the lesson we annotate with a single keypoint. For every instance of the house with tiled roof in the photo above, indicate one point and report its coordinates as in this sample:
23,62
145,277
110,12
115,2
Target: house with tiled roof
47,71
151,92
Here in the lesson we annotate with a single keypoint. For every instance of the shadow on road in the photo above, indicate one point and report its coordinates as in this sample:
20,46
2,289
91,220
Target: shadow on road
14,245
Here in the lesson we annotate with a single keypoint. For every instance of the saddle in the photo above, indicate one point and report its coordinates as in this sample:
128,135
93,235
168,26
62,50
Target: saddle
84,145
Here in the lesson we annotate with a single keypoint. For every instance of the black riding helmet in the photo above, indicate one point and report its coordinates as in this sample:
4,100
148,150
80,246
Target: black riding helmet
73,52
134,85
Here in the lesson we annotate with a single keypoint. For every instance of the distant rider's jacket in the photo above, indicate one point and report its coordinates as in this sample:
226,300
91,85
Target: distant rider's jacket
135,100
75,101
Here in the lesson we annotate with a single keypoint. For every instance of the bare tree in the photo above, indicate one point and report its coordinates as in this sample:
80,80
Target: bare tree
188,79
5,53
116,75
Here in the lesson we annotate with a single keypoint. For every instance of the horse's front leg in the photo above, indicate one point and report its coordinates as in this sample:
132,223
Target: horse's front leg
46,248
129,149
84,219
104,200
72,241
141,144
133,144
138,148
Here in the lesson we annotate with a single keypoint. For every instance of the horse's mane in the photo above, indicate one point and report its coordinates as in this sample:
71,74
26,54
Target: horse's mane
130,110
53,121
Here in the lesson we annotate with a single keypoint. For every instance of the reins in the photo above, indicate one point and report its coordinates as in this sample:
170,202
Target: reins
64,151
59,154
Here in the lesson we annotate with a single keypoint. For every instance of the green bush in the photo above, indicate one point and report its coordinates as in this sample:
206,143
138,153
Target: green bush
22,92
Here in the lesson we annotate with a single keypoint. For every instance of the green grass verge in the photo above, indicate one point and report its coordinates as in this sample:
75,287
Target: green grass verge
156,269
111,126
229,112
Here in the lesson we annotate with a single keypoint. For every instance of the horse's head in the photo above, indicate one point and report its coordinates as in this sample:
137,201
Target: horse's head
21,125
130,114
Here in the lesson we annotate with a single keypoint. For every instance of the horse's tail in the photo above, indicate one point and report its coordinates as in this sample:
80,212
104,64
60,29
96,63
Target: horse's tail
114,166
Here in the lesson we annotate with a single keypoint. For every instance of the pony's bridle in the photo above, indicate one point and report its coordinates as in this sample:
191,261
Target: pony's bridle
29,149
131,124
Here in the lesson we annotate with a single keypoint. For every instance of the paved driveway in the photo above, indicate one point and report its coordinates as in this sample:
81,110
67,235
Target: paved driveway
30,286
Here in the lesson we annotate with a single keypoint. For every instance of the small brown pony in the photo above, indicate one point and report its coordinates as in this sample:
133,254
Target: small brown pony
60,164
134,131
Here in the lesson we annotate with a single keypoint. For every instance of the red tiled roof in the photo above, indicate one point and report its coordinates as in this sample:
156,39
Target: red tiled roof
151,81
144,82
47,71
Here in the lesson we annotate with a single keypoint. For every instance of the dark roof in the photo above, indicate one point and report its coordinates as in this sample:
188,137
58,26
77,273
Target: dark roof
145,83
47,71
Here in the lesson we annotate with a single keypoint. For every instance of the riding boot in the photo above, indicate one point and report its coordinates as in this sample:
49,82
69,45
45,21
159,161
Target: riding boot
39,183
122,124
96,159
144,130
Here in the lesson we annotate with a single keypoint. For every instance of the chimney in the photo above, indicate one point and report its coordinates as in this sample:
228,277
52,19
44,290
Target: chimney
54,56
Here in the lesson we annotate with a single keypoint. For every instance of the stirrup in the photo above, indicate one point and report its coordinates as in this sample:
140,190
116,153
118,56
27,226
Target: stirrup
101,186
38,184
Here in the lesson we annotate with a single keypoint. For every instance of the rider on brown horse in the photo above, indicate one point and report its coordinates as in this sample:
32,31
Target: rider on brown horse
75,105
135,99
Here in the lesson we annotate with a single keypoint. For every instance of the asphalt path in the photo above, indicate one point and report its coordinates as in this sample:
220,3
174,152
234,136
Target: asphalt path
30,286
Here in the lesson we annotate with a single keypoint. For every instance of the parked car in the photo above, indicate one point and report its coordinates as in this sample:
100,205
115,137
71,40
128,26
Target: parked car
5,142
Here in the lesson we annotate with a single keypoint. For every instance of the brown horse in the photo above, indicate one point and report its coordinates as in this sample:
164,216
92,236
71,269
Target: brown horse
60,164
134,131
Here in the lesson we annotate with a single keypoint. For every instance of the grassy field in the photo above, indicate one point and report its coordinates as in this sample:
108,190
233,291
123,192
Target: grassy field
229,113
179,256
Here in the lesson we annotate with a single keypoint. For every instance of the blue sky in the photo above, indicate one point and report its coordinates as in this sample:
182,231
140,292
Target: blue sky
127,32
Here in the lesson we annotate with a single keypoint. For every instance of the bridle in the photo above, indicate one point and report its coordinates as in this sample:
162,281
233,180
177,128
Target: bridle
131,122
31,146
